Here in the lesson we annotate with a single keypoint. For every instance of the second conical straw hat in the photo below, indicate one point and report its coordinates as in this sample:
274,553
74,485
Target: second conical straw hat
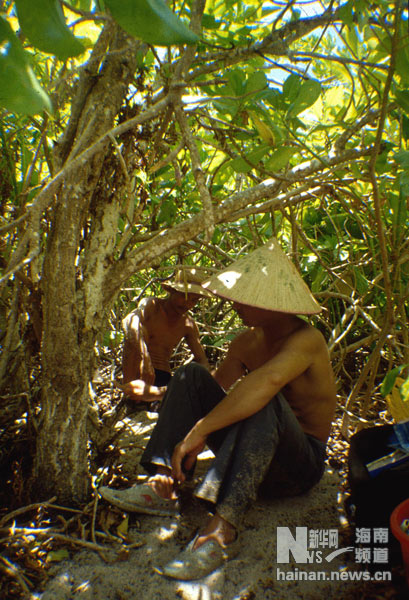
189,283
265,278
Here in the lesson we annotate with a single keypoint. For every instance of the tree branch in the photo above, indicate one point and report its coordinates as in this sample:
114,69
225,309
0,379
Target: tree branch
293,55
198,173
276,43
167,240
375,355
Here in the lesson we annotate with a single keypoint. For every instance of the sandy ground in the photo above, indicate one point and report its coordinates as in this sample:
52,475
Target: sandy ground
253,574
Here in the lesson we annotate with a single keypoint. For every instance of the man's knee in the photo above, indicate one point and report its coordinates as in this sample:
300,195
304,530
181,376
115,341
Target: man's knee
195,379
192,372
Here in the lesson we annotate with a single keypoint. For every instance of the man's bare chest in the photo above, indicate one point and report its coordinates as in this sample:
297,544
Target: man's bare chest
160,332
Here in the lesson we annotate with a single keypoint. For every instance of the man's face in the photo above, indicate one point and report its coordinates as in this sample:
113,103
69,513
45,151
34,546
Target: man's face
182,302
253,316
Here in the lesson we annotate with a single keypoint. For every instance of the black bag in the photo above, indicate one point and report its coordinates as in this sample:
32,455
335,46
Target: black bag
374,498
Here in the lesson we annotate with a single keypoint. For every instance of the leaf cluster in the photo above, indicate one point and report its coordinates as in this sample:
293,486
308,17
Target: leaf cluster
275,122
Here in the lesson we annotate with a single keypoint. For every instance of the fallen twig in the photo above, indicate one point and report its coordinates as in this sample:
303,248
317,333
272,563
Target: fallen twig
94,516
23,509
12,570
52,534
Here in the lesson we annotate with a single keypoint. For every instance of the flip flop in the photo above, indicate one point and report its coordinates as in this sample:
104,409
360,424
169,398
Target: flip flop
140,498
195,564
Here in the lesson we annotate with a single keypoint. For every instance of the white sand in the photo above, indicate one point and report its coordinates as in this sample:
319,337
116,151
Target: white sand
252,575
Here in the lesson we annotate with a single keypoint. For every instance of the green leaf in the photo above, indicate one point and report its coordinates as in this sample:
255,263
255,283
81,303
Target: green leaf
361,281
402,98
57,555
280,158
308,94
151,21
402,158
209,22
257,81
112,339
46,28
275,98
345,13
20,91
353,39
334,96
402,66
236,79
353,229
240,165
167,212
405,127
81,4
404,389
316,285
399,214
389,380
381,163
402,56
404,182
227,105
291,87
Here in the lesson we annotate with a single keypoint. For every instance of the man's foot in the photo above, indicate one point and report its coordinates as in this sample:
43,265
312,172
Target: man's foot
163,484
140,498
209,550
155,497
219,530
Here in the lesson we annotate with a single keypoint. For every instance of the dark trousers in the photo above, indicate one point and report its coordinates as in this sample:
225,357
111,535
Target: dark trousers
267,453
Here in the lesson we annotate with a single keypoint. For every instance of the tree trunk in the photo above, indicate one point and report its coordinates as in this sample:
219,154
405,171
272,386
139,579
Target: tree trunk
61,461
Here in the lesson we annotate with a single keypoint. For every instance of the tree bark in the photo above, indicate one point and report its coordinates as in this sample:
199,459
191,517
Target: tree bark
61,461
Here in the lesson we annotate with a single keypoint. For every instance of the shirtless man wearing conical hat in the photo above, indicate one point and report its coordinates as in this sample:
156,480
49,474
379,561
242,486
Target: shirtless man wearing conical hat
151,333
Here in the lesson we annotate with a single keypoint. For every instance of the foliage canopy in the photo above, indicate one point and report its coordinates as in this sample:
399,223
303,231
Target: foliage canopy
287,119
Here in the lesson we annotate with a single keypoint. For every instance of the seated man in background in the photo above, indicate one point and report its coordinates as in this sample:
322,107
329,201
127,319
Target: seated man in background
152,332
266,414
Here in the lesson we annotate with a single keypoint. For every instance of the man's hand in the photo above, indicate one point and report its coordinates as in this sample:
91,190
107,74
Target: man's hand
140,391
187,450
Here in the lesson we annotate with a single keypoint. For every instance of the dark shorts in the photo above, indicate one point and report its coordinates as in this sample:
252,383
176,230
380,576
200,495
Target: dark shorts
162,378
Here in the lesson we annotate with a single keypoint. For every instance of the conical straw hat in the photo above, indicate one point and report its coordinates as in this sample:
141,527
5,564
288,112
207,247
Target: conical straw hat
265,278
187,282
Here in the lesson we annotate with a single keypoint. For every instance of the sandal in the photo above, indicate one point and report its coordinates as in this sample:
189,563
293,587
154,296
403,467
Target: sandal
195,564
140,498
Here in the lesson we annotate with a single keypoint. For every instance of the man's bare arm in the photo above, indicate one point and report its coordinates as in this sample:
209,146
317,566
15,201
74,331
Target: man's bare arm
140,391
231,369
250,395
136,361
193,342
257,388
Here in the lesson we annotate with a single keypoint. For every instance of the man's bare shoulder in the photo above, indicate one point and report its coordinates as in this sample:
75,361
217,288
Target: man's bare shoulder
308,336
245,335
146,309
149,306
243,340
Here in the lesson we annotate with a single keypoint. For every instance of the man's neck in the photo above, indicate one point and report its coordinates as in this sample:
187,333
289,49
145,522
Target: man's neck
170,312
281,325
